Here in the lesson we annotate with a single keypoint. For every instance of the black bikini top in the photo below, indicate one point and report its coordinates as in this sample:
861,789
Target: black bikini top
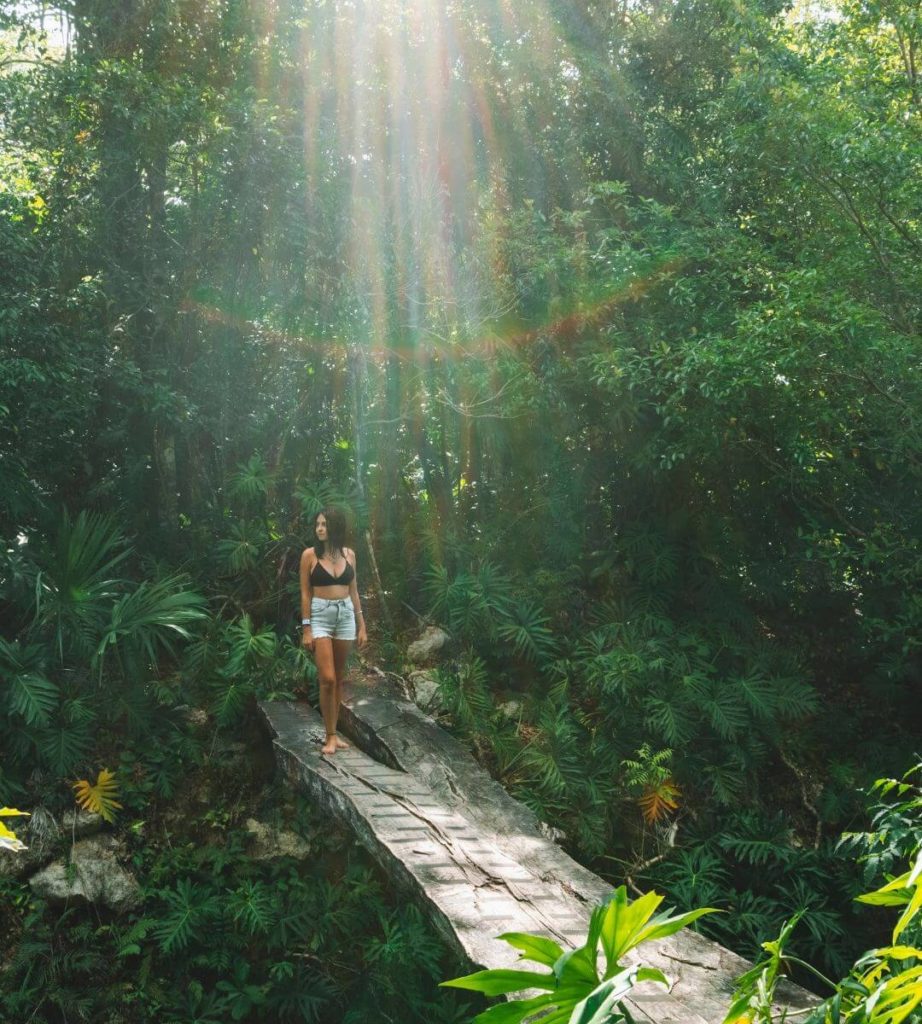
320,576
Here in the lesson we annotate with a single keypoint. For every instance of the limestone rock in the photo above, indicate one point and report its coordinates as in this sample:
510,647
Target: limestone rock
79,823
197,717
39,832
512,709
267,843
428,646
555,835
93,874
426,689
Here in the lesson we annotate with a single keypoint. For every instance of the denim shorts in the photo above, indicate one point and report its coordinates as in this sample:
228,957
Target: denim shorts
334,618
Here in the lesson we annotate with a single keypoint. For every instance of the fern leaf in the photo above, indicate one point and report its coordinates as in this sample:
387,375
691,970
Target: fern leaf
248,646
670,720
243,550
659,801
61,747
252,907
252,479
724,710
758,693
99,798
726,782
795,698
230,702
527,631
757,852
33,698
188,910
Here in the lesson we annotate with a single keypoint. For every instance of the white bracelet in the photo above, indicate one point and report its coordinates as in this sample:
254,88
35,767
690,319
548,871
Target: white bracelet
305,622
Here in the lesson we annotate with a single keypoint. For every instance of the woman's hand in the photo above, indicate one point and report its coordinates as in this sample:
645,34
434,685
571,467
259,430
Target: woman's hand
362,637
307,638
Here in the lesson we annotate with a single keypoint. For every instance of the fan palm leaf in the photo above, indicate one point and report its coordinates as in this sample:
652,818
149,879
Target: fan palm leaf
78,582
145,622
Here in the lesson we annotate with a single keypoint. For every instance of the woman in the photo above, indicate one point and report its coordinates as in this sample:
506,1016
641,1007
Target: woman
330,608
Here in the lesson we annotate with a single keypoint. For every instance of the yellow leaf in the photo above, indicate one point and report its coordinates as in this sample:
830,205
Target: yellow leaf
99,798
659,800
8,839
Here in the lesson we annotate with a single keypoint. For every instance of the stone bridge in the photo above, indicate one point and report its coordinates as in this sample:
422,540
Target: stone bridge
476,860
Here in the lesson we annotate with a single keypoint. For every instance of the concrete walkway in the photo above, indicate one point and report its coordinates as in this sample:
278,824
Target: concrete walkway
475,859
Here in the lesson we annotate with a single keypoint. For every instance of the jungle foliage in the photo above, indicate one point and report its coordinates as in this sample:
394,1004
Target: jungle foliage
601,319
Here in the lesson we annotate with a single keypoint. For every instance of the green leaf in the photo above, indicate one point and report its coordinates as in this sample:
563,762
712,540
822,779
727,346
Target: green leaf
498,982
894,894
577,966
534,947
596,1008
662,925
915,903
33,697
514,1011
623,922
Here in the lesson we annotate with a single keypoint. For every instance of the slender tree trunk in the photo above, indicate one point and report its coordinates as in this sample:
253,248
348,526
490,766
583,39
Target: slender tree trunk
358,367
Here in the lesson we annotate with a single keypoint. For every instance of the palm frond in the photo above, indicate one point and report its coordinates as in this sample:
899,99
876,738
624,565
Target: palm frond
78,580
144,622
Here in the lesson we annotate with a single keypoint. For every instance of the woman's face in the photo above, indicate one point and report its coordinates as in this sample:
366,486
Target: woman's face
320,527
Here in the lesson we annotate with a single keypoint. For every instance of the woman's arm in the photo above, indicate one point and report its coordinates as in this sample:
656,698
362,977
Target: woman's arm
361,635
307,559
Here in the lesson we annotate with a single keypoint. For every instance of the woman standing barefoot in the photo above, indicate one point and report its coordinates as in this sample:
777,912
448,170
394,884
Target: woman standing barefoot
330,609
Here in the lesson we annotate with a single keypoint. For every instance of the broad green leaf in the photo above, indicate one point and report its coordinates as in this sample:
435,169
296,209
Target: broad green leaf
596,1008
577,966
652,974
534,947
662,926
624,921
893,894
909,913
900,952
514,1011
739,1009
498,982
916,870
33,697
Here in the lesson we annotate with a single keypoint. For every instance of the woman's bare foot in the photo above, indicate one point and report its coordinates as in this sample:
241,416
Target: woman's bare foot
334,743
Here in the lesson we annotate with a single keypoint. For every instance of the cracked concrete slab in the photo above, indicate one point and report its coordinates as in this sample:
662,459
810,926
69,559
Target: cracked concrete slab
470,855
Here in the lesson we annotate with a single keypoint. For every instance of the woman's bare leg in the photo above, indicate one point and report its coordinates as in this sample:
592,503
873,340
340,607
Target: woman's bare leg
329,691
341,649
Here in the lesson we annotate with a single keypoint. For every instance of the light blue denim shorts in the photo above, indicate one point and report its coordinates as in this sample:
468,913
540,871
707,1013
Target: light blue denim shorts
334,618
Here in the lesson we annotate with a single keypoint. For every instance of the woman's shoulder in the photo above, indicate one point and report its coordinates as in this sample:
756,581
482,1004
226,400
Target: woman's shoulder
350,555
308,554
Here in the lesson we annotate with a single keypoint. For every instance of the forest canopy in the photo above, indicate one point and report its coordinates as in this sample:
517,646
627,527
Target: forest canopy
602,322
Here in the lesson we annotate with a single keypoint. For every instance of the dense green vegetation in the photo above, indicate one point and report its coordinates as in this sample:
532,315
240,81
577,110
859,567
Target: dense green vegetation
603,322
